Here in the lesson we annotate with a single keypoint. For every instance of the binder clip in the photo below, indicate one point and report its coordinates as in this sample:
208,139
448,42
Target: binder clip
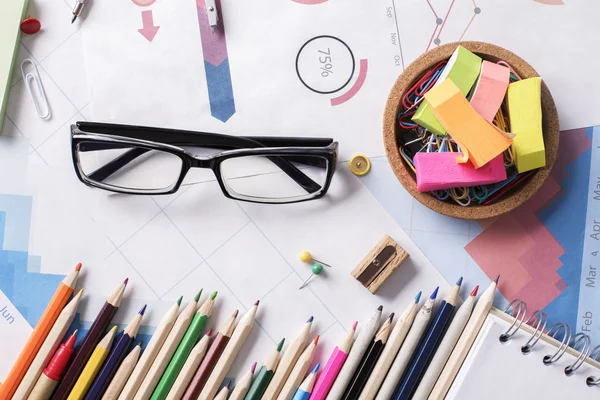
380,264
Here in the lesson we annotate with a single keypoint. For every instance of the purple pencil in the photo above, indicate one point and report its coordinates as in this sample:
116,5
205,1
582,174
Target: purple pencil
115,357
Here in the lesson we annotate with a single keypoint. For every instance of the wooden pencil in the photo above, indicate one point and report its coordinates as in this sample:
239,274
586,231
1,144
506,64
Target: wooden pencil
89,343
241,387
192,334
465,341
333,366
117,354
417,329
428,345
189,368
364,339
92,367
299,371
123,373
265,374
390,351
53,372
305,389
367,364
224,392
288,360
240,334
48,348
167,350
39,334
210,359
445,348
149,355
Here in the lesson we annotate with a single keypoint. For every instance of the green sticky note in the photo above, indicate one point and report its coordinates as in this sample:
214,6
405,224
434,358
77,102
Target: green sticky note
12,12
463,69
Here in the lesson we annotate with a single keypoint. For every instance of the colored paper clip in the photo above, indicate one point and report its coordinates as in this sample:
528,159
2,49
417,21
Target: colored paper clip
34,86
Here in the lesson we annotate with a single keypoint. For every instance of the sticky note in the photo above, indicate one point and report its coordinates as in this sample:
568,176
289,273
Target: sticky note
525,116
463,69
437,171
478,139
490,89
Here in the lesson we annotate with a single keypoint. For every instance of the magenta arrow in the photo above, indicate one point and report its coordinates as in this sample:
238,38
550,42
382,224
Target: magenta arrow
148,29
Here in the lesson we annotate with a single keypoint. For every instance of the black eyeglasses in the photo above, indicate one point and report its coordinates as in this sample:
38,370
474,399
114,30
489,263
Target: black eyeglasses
155,161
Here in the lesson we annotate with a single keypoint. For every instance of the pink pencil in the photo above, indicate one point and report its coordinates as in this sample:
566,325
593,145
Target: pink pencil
333,367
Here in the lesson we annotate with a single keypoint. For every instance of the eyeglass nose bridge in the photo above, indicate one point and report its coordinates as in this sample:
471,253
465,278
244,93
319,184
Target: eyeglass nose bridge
201,162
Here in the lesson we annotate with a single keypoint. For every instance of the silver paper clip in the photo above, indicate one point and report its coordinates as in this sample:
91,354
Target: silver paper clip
211,12
33,83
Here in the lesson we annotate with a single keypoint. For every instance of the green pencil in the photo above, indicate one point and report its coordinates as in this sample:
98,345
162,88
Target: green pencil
264,376
192,334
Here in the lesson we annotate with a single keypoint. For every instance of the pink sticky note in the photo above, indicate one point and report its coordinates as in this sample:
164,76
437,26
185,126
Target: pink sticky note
436,171
490,89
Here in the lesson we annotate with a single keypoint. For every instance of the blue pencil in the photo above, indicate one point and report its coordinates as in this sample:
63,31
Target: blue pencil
115,357
306,388
428,345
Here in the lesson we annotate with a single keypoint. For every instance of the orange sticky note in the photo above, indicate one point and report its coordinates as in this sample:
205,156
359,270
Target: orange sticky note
479,140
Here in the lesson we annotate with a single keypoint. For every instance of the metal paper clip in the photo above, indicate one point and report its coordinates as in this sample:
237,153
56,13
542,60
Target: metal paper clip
212,13
33,83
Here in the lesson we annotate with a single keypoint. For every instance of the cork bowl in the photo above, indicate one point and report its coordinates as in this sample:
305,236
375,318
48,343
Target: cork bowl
391,131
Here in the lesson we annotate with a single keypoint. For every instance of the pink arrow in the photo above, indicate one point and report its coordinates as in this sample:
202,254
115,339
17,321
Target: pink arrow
148,30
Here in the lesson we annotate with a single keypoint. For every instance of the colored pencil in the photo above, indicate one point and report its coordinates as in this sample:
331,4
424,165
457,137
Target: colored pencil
306,388
465,342
39,334
366,335
92,367
192,334
210,360
240,334
390,351
299,371
265,374
333,366
367,364
53,372
224,392
428,345
115,357
123,373
445,348
89,343
241,388
417,329
150,352
48,348
288,360
167,350
189,368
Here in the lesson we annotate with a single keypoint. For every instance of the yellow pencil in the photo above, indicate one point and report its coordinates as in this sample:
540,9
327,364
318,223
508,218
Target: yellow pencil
93,366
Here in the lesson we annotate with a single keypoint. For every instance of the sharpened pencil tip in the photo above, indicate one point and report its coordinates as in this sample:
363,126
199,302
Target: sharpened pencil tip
209,332
113,329
434,294
179,301
418,297
316,341
380,308
497,279
80,292
213,295
354,325
280,344
257,302
197,296
253,367
126,281
310,319
391,317
78,267
316,368
235,313
228,385
73,19
139,344
143,310
459,281
474,292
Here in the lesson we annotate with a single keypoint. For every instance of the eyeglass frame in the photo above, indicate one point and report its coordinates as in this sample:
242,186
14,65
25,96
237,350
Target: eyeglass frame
170,140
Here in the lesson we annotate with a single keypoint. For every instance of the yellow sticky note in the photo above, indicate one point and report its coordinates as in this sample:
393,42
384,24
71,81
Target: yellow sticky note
525,115
479,140
463,69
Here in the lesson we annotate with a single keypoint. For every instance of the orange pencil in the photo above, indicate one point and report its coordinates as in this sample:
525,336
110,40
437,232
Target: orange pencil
35,341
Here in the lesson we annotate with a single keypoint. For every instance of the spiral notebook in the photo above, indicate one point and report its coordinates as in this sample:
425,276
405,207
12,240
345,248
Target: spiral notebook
502,371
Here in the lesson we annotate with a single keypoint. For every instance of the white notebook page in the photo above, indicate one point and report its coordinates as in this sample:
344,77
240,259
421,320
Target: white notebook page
495,370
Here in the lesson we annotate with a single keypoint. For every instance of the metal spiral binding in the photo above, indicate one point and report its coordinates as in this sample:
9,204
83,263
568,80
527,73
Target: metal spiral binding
542,320
583,353
519,312
553,332
592,380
